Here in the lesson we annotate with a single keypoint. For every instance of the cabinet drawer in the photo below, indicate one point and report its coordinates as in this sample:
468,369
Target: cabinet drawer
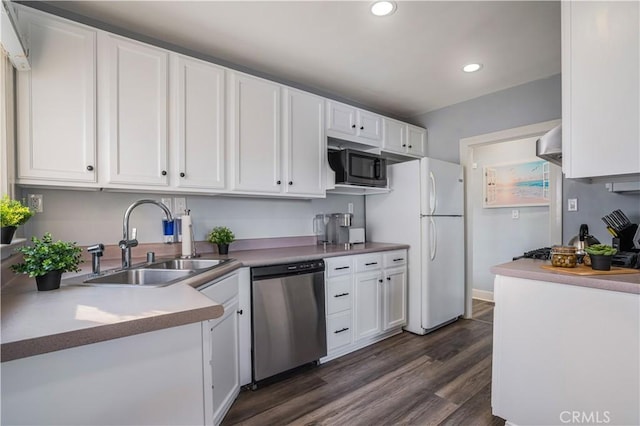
395,258
221,290
339,294
338,330
368,262
339,266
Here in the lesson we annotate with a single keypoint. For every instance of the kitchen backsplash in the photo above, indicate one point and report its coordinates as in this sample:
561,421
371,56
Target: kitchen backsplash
89,217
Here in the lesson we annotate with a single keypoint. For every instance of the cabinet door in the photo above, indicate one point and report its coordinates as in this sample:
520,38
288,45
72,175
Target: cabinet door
395,305
255,133
223,383
368,305
305,147
395,134
341,118
137,111
56,103
369,126
416,141
600,84
198,114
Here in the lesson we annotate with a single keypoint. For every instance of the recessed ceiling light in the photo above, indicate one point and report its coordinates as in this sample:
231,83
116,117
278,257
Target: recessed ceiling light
383,8
472,67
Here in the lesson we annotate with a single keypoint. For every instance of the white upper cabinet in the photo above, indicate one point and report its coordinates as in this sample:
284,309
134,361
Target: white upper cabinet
135,110
56,104
304,144
353,124
254,133
600,86
197,124
403,138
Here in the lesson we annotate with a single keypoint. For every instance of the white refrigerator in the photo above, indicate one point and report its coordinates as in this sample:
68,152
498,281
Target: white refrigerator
425,210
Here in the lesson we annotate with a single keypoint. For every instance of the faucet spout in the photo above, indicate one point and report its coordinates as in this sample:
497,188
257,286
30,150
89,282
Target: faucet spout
126,242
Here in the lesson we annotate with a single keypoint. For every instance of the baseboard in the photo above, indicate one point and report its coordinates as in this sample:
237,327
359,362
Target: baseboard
485,295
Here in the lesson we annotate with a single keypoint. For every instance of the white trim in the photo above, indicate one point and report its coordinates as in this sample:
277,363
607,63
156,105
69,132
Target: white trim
485,295
466,159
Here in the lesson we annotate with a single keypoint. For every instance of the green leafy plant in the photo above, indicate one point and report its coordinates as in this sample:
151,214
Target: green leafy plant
221,235
45,256
13,212
601,250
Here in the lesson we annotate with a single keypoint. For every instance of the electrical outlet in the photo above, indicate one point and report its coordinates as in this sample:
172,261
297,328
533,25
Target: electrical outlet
180,204
350,207
168,202
572,204
515,214
36,203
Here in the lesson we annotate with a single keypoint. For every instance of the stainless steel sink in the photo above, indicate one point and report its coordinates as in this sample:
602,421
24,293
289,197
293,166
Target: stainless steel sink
142,277
187,264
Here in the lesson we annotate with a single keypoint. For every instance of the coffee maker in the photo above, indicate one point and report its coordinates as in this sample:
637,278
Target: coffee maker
332,228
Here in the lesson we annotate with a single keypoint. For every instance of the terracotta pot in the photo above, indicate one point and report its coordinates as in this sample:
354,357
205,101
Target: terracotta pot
6,235
49,281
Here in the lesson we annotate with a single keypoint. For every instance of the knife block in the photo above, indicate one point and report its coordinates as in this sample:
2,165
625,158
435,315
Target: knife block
624,241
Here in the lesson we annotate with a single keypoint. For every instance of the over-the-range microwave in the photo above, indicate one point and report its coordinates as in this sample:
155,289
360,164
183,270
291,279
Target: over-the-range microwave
358,168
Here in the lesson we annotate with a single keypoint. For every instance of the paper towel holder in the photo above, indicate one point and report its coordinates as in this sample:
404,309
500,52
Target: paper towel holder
188,242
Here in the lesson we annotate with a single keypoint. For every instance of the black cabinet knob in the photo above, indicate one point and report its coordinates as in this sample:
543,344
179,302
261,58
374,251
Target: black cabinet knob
164,173
182,174
278,182
410,146
239,312
361,127
290,182
90,168
404,145
379,281
353,126
388,278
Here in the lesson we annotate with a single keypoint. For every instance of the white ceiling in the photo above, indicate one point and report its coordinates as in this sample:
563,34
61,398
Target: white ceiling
405,64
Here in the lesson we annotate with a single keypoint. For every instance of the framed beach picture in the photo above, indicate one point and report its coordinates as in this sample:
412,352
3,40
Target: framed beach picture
516,185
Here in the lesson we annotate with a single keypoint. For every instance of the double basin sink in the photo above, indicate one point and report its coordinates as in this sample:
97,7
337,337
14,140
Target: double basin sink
157,274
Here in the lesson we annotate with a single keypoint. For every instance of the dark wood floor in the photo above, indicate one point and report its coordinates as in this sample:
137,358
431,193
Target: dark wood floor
441,378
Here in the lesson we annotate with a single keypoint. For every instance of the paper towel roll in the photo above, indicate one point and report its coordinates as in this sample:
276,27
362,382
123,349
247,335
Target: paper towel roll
187,232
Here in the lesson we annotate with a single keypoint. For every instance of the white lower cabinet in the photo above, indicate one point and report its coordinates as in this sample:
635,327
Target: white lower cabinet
221,350
365,299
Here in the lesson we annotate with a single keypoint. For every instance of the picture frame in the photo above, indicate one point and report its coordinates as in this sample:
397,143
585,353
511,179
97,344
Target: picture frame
521,184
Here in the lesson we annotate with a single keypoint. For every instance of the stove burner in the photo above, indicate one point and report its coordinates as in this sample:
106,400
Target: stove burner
541,253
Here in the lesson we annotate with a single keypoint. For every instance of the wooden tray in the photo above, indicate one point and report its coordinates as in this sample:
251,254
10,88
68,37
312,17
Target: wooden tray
586,270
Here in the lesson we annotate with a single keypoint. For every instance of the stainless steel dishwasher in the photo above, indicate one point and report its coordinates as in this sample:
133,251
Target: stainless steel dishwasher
289,325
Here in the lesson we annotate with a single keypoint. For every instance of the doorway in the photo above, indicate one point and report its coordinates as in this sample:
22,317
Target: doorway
495,235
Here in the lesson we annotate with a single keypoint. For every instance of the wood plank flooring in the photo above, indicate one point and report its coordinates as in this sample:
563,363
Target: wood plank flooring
441,378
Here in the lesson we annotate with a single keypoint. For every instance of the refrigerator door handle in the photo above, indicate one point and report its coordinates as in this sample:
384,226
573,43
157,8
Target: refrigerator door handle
432,194
433,243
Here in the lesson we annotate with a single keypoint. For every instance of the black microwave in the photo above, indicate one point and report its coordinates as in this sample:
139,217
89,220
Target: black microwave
358,168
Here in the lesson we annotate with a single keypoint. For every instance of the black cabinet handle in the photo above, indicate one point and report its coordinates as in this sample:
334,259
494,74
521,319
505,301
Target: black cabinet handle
353,126
90,168
370,263
398,259
182,174
278,182
290,182
341,330
341,295
361,127
163,173
239,311
342,267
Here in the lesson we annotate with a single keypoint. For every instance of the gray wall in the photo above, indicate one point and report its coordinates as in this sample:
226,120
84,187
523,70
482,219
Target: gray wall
530,103
89,217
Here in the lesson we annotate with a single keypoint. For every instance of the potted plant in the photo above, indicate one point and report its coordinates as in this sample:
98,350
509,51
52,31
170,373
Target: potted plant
222,237
600,255
12,214
46,260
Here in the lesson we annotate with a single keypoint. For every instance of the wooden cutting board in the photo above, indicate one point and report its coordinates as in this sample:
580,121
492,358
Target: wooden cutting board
586,270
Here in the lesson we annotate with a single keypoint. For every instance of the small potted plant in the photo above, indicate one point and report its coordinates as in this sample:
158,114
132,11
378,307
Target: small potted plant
222,237
12,214
601,255
46,260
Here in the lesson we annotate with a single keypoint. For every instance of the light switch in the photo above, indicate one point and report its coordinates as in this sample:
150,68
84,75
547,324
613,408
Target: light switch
515,214
572,204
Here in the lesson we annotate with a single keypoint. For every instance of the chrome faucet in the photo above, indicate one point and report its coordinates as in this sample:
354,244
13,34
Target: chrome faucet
125,244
